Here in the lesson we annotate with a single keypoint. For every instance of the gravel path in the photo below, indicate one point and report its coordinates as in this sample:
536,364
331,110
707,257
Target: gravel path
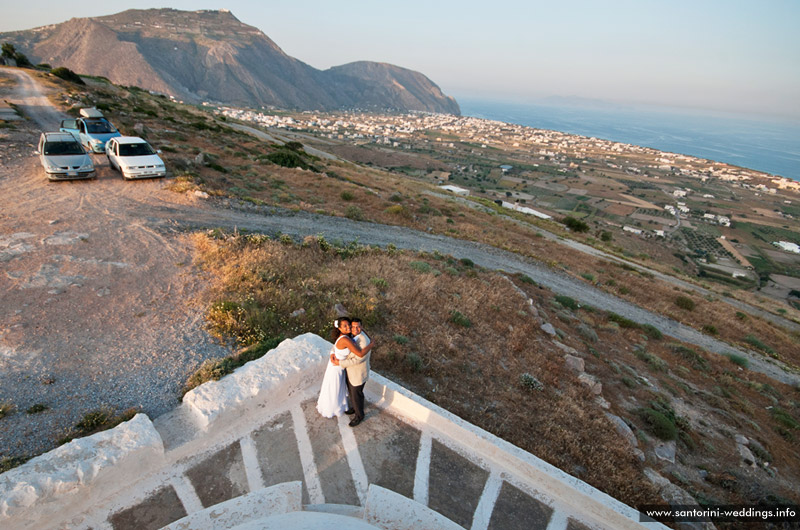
301,224
587,249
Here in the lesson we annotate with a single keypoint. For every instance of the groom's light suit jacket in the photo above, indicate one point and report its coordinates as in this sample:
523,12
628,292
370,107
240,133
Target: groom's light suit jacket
357,367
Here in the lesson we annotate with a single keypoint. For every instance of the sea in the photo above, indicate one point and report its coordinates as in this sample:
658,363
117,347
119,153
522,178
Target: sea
771,146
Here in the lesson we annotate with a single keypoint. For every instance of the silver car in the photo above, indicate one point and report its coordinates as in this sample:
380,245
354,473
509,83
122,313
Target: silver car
63,158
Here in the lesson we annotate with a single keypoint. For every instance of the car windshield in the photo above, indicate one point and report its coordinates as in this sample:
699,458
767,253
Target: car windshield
100,127
142,149
62,148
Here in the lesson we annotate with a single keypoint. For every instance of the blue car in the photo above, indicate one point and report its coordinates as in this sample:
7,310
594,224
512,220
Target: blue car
91,129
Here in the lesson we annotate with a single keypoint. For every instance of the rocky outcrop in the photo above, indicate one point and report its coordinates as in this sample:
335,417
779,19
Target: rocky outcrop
211,55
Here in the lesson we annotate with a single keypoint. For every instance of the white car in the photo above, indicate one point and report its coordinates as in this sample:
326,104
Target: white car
63,158
134,158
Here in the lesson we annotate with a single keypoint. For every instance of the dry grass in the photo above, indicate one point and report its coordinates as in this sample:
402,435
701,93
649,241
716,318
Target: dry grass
409,313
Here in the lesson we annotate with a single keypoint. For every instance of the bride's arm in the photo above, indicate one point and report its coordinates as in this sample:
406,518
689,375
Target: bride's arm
353,347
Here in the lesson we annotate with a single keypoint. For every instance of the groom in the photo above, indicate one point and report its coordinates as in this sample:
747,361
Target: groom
356,373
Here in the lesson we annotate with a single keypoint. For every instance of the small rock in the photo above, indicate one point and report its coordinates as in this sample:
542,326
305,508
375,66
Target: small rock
594,385
298,313
53,221
623,429
567,349
587,333
201,194
666,451
574,363
747,457
741,439
340,310
532,308
639,455
139,128
549,329
200,159
602,403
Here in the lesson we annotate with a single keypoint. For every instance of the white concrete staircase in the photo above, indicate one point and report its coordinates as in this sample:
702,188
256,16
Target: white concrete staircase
279,506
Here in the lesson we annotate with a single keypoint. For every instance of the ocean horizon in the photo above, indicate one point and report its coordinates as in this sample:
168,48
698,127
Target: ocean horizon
769,146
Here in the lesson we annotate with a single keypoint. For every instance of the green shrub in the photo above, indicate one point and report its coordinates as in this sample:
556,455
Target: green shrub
754,341
380,283
414,361
95,419
652,332
294,146
684,302
467,262
622,321
347,195
396,209
37,408
400,339
459,319
690,355
606,236
524,278
421,266
530,382
67,75
785,418
588,277
710,329
566,301
354,212
738,360
10,462
658,424
216,167
655,362
287,158
576,225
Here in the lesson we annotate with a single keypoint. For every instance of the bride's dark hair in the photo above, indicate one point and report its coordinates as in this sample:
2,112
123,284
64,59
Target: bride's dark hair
335,334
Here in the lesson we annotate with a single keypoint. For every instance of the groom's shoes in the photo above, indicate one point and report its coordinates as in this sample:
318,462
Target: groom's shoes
350,411
355,422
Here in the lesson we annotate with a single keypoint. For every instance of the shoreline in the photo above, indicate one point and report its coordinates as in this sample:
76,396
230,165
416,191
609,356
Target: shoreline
732,146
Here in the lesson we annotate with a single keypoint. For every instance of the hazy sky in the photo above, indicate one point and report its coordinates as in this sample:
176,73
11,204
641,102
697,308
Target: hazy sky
725,55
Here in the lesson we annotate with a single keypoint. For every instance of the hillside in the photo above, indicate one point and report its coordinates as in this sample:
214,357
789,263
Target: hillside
211,55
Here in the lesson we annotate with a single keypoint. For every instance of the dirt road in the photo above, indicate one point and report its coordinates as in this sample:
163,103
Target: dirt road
96,283
96,301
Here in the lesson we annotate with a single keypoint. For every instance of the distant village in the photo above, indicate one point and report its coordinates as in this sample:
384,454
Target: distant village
394,130
567,152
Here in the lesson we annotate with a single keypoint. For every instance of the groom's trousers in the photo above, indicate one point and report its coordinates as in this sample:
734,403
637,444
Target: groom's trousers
356,394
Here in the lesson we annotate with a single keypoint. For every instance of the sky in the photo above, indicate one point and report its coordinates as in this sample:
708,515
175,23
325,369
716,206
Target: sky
709,55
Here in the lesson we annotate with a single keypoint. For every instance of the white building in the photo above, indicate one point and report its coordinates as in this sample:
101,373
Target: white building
788,246
455,189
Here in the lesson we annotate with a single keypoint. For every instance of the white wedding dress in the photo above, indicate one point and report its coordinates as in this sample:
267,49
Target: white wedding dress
333,394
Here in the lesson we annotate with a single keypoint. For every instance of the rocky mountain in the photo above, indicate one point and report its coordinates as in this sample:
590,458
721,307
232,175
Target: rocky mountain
211,55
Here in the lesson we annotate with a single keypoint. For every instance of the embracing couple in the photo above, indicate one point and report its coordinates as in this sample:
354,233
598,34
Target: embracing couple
346,373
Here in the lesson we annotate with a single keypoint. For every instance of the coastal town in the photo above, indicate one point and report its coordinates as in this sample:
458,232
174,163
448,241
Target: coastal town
732,222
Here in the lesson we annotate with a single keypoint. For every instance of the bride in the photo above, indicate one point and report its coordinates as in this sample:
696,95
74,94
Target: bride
333,394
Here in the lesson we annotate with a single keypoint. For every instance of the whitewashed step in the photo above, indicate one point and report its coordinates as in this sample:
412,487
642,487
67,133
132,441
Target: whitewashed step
392,511
347,510
256,505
